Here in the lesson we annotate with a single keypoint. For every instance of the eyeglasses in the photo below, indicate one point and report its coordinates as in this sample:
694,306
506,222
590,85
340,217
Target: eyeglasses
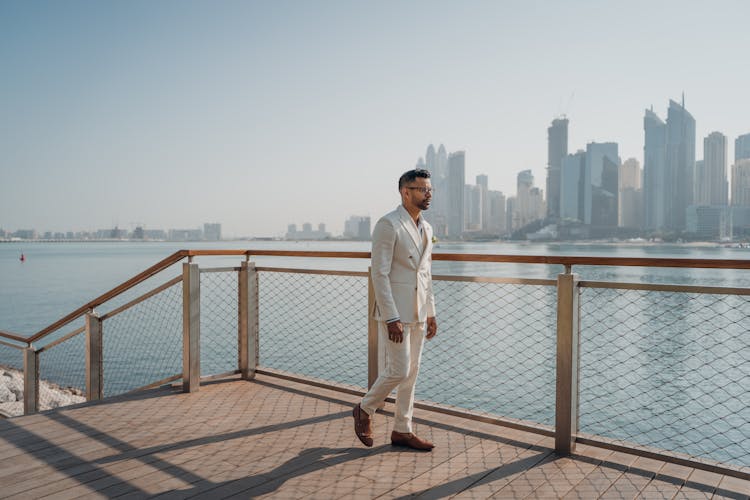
421,189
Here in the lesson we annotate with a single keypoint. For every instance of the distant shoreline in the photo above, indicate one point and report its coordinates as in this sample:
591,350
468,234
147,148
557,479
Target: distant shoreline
107,241
608,242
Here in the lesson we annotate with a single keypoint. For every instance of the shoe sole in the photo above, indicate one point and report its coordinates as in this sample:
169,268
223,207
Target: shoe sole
404,445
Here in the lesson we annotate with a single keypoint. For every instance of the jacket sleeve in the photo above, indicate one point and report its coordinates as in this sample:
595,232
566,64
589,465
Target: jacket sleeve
383,243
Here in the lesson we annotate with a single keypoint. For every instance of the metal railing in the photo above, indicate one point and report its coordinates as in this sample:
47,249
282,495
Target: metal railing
659,370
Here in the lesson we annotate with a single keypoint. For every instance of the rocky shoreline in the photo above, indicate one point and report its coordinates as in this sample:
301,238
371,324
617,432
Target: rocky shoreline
50,395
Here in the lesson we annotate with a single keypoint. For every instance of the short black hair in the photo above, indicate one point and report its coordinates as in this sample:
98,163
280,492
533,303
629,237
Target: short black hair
412,175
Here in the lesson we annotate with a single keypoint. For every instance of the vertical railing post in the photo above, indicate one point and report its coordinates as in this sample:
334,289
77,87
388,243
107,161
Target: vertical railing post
248,320
94,357
372,334
191,327
566,406
30,380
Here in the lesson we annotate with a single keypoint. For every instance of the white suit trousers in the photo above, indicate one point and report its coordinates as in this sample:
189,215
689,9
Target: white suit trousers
398,367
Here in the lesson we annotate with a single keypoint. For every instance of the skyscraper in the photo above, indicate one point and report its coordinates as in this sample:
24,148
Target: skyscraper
630,174
511,214
741,198
430,158
631,195
529,204
700,189
440,185
654,171
483,185
742,147
436,163
572,178
524,183
441,162
601,188
456,182
557,149
741,183
496,218
711,181
212,231
680,164
357,227
473,207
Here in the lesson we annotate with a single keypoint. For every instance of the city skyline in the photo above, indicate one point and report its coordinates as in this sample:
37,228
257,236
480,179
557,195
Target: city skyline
595,194
254,114
460,212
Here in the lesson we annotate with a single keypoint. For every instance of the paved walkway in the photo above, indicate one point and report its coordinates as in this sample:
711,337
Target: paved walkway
276,439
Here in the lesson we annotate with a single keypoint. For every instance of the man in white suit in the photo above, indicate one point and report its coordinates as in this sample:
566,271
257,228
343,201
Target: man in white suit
404,308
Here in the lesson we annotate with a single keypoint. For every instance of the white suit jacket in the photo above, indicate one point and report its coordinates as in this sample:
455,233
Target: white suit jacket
402,269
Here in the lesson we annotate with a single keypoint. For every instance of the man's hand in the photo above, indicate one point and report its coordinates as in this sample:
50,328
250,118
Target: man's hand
396,332
431,327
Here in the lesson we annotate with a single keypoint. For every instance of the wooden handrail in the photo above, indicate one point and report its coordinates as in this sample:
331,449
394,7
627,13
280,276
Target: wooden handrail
597,261
459,257
139,278
282,253
562,260
12,336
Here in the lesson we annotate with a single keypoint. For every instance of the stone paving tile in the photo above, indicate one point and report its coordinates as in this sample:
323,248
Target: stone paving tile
499,477
462,473
638,475
566,475
608,470
278,439
700,484
732,487
524,484
667,483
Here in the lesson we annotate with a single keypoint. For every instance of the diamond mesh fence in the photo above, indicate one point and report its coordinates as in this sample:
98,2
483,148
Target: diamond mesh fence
667,369
143,344
314,325
494,351
62,373
11,357
219,322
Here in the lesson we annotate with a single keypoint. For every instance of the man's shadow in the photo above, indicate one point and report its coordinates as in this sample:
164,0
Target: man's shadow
308,461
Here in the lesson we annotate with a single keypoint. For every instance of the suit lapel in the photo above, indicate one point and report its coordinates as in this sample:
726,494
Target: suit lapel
427,242
411,228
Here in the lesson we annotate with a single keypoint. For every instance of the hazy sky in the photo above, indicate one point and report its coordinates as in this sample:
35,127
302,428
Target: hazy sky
257,114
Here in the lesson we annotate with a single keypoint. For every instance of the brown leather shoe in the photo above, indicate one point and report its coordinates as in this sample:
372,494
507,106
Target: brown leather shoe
362,425
410,440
